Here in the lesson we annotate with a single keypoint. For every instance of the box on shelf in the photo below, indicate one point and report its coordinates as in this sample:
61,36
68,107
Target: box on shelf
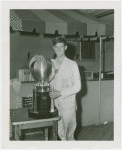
87,75
24,74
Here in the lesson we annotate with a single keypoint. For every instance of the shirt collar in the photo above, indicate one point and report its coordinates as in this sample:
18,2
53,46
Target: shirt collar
64,61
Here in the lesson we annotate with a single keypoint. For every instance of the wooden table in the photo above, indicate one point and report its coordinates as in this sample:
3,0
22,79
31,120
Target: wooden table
19,120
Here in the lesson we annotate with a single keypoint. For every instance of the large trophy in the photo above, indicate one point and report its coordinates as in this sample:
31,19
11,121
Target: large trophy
43,72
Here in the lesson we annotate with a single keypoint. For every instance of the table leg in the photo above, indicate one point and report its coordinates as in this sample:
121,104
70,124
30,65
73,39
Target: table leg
46,134
15,132
55,130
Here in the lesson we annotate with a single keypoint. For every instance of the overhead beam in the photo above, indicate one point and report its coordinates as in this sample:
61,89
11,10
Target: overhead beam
104,13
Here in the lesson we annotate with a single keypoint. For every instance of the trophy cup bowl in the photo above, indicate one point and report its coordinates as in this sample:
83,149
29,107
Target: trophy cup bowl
43,72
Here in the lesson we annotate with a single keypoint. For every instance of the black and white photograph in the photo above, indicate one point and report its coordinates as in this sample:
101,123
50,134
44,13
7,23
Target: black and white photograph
61,75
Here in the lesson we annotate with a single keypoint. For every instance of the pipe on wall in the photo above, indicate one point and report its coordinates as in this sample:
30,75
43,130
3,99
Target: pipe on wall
100,62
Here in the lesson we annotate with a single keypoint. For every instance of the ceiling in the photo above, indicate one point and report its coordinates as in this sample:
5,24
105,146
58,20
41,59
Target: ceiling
65,22
106,15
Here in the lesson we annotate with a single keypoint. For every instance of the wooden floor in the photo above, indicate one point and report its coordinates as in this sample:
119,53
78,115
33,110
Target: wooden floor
103,132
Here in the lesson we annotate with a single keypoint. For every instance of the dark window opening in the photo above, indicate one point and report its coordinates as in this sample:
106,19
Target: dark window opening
87,50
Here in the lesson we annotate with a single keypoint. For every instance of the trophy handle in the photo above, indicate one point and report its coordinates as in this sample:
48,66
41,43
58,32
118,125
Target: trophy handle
52,105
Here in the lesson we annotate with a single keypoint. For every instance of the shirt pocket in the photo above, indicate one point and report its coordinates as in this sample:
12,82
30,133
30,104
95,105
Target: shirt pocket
67,80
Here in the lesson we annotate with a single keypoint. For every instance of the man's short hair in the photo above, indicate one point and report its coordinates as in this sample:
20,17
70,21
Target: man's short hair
59,40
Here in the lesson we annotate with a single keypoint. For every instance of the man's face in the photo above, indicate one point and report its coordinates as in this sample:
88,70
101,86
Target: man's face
60,49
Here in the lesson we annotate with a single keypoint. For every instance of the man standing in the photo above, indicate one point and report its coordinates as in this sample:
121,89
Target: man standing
65,85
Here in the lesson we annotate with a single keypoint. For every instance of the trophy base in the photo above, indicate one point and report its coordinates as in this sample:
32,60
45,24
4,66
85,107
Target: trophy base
38,115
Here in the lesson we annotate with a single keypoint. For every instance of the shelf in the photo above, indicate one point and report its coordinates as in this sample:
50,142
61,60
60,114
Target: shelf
105,79
28,82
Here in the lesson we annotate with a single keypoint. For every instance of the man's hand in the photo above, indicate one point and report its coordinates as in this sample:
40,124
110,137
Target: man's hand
36,58
55,94
39,57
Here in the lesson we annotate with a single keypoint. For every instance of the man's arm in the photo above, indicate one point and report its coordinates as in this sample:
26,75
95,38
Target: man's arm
76,80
